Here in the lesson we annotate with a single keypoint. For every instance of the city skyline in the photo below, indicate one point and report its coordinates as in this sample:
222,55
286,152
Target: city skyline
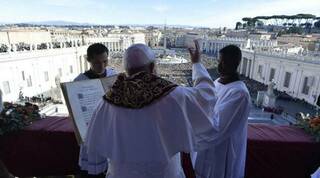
211,13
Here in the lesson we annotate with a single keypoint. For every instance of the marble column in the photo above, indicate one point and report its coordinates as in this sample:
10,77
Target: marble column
241,66
247,68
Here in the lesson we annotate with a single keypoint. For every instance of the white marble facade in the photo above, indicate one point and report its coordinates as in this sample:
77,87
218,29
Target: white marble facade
213,45
298,76
36,72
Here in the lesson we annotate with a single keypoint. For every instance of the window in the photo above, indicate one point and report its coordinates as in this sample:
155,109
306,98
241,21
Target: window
71,69
46,76
23,76
60,72
6,87
272,73
287,79
260,69
306,87
29,81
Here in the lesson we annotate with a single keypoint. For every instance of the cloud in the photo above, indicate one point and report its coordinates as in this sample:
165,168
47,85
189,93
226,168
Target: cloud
161,8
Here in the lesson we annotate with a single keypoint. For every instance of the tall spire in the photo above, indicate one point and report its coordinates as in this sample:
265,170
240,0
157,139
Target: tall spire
165,34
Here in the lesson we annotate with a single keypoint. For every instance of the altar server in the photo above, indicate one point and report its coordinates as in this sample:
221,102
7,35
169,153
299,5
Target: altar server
226,156
97,56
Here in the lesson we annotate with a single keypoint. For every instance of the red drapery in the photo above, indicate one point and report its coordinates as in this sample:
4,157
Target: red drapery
49,147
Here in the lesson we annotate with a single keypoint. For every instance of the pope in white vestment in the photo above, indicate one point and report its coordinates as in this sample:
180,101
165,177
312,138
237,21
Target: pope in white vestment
226,156
144,121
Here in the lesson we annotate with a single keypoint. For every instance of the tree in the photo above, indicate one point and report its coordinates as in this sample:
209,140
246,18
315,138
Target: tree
238,25
291,20
308,27
298,20
246,19
276,18
249,21
244,25
42,46
3,48
297,30
260,24
305,17
263,19
317,24
286,18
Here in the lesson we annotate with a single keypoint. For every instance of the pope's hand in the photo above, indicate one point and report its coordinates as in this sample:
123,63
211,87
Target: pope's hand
195,53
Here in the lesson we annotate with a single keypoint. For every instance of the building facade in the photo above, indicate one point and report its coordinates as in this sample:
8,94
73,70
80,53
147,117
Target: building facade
298,76
38,72
212,46
34,72
306,41
152,37
264,61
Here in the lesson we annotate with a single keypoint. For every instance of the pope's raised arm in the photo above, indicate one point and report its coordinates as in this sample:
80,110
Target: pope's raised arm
197,102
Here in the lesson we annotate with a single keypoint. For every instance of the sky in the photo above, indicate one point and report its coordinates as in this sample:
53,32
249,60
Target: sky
205,13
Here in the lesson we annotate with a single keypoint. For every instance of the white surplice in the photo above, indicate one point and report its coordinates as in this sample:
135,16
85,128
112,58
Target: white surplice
80,77
109,72
226,157
145,143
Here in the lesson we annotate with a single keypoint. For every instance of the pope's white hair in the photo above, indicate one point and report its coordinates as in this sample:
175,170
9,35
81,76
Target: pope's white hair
138,55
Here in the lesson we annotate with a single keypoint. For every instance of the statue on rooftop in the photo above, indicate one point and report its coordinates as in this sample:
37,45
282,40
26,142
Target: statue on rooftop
270,98
270,90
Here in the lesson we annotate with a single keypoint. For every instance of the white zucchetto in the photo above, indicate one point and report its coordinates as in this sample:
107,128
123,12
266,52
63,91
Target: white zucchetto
138,55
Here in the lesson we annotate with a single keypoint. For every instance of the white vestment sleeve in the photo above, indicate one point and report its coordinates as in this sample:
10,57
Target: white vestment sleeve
208,124
201,77
197,104
91,158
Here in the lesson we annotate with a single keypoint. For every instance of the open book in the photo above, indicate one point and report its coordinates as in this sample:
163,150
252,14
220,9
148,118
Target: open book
82,98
